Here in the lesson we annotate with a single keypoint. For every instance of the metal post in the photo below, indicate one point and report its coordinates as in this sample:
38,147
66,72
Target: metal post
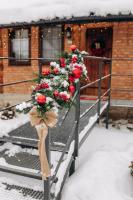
77,118
109,94
99,87
47,181
40,71
76,134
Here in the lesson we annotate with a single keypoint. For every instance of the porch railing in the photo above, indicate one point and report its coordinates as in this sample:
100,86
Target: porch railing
74,140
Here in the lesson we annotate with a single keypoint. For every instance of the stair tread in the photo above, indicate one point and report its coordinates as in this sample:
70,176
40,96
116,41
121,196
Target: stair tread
23,160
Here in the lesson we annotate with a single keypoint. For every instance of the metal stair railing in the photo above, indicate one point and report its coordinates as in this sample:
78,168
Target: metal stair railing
74,141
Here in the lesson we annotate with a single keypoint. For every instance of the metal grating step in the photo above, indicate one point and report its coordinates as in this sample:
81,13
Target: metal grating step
26,134
26,192
23,161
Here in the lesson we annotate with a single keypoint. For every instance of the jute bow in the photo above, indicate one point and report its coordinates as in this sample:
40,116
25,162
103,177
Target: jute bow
41,125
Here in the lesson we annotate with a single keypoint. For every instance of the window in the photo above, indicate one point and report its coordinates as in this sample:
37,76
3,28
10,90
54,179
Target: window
19,46
51,42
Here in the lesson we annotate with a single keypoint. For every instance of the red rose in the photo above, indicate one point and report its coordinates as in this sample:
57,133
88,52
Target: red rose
71,89
56,93
62,62
44,85
56,71
73,47
78,67
74,59
76,73
64,97
71,79
41,99
46,72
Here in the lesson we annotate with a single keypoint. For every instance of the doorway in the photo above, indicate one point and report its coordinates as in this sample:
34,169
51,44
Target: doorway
98,43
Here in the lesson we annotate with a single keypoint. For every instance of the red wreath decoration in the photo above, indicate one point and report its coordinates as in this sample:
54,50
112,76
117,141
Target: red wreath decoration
98,48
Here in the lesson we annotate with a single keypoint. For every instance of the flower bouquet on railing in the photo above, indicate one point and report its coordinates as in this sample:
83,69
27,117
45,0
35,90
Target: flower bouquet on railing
54,91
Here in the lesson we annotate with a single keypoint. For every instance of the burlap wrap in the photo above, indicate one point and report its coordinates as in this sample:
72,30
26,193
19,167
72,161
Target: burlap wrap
41,126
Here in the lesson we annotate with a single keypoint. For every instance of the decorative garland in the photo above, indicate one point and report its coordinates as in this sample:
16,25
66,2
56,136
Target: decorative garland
98,48
55,91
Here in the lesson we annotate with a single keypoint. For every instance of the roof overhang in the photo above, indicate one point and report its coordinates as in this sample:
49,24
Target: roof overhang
72,20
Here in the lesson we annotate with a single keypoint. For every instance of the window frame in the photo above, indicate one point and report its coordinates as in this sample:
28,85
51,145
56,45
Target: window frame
10,53
47,61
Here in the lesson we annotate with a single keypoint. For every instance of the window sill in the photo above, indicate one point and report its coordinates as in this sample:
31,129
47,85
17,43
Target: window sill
19,63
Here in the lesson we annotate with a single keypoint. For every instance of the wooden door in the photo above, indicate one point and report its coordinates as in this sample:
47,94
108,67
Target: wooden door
99,43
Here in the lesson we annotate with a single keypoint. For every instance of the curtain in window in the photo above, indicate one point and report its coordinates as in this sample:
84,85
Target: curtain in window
20,44
52,42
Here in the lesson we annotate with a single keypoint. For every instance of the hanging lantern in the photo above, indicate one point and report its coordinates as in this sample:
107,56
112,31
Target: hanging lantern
68,32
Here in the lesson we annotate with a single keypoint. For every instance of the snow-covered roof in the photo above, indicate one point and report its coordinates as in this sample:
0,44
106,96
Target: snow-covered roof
33,10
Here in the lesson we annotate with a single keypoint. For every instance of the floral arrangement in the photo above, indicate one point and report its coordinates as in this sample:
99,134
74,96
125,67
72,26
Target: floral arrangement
57,84
55,90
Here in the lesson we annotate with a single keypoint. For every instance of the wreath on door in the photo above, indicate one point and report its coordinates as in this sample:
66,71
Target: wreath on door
98,48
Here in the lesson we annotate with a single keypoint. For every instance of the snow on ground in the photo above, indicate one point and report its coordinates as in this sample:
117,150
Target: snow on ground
6,127
102,167
101,170
23,10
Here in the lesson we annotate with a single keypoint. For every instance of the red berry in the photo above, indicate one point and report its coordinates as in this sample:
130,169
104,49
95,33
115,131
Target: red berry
56,71
41,99
44,85
74,59
62,62
72,89
71,79
56,93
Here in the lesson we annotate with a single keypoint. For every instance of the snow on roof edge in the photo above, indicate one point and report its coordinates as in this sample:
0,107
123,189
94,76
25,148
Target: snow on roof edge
73,20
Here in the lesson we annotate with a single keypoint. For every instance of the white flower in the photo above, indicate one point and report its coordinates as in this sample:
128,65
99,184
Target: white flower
24,105
63,71
54,64
48,99
48,81
57,66
65,84
19,107
56,78
74,55
29,105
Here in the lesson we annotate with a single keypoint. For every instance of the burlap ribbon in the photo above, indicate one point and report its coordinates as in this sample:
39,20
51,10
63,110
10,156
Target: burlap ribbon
41,125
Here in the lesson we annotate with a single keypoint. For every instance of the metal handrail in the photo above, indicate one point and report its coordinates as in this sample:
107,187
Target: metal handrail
74,132
39,59
14,83
90,108
66,114
97,58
